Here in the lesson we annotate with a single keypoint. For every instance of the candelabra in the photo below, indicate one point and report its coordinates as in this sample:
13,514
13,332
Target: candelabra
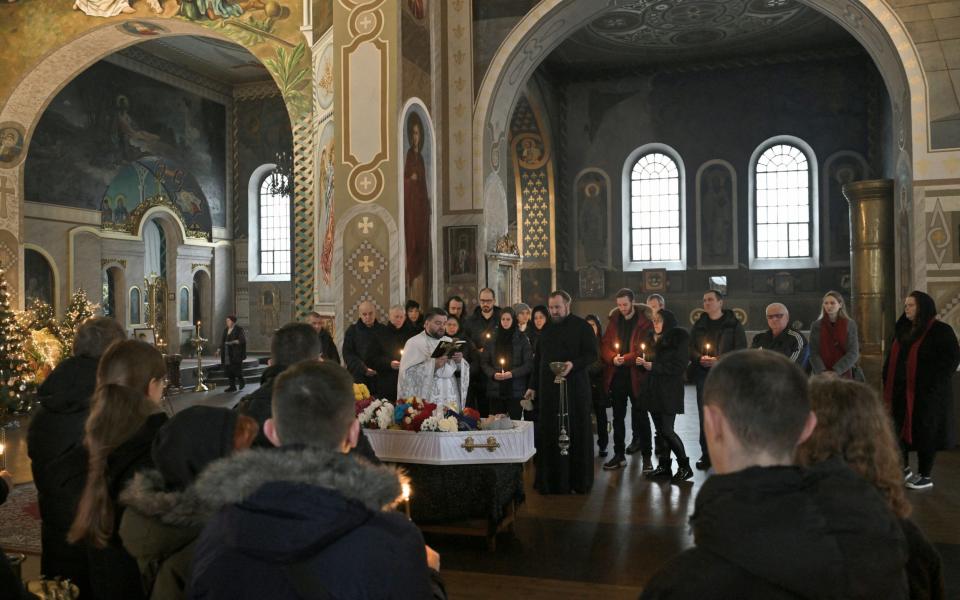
198,343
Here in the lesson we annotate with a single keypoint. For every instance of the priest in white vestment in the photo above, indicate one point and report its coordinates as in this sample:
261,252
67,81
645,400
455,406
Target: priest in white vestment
433,379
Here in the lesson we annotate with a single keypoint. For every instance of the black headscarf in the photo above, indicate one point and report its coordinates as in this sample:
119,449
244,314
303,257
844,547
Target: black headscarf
546,314
908,331
592,318
503,344
669,320
190,440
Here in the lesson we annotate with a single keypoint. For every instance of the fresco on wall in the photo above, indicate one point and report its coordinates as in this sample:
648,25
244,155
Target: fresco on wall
593,213
152,181
717,213
263,129
417,191
415,50
108,118
325,222
11,144
38,278
841,169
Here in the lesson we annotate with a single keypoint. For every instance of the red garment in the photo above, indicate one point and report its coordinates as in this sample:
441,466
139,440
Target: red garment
416,214
642,334
833,343
906,433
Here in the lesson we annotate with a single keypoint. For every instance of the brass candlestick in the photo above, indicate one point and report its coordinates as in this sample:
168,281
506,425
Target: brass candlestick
198,343
563,411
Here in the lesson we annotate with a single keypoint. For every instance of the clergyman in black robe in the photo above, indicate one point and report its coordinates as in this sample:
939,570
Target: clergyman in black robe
568,339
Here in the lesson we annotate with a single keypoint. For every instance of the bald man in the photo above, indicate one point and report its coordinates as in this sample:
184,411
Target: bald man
357,341
780,337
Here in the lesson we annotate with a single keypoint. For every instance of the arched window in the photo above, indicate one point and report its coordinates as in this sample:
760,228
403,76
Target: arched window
783,208
268,223
654,210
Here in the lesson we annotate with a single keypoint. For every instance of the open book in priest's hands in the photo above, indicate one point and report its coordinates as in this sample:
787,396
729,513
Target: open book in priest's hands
448,347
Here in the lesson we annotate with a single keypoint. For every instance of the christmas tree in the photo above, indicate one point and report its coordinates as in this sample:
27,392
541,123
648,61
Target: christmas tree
15,380
79,310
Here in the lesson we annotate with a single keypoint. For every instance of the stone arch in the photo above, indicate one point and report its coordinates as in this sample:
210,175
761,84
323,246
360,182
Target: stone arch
38,86
871,22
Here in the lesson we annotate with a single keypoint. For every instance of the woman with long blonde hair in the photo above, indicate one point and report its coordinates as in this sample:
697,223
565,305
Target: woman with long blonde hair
834,346
124,418
853,424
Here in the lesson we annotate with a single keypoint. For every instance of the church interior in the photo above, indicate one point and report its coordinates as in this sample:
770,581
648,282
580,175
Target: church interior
265,159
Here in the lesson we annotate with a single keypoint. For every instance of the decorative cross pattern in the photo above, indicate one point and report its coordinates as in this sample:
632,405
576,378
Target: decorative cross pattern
365,183
366,263
365,225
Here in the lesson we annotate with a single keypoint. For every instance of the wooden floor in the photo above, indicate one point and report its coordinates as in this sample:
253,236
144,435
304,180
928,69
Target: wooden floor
606,544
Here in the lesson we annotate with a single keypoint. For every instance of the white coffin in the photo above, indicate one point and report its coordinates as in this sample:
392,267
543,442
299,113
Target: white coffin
439,448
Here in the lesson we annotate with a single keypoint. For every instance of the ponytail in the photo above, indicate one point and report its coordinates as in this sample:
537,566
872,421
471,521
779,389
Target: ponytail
118,409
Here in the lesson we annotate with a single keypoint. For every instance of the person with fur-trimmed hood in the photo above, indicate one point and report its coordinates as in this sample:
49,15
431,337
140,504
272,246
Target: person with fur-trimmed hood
164,514
305,519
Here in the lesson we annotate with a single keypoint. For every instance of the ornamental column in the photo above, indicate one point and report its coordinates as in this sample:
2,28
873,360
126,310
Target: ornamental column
873,294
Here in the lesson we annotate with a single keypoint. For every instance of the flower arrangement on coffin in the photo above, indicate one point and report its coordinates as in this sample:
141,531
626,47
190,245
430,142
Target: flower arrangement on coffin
360,392
412,412
375,414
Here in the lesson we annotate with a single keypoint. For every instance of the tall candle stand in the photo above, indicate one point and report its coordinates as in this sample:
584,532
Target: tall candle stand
198,343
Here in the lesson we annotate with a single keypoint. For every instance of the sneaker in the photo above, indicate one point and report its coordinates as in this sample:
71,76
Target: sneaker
617,462
661,472
907,474
647,464
633,448
919,483
684,472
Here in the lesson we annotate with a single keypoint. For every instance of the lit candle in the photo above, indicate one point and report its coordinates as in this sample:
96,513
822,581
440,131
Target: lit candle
706,349
616,346
401,352
503,361
488,335
3,449
643,351
406,491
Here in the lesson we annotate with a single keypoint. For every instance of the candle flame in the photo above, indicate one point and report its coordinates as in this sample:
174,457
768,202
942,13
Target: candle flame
2,448
405,491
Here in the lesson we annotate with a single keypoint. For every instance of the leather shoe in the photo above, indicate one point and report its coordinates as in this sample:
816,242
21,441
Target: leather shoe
661,472
704,463
633,447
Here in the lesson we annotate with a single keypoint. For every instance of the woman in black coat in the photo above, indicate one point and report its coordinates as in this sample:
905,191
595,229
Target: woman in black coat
600,397
917,377
506,362
233,351
663,396
539,319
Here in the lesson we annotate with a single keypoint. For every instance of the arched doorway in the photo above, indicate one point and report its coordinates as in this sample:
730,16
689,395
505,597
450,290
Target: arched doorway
872,24
37,87
113,297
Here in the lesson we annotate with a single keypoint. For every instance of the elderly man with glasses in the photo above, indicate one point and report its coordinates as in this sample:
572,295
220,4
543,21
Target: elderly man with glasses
780,337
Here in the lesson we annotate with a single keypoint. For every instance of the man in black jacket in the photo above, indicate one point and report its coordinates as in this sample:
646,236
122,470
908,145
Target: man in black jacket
292,343
356,344
766,529
780,337
328,348
715,333
386,350
233,351
304,520
480,328
56,429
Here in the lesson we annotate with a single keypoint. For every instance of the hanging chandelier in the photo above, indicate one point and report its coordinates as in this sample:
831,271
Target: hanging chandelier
280,182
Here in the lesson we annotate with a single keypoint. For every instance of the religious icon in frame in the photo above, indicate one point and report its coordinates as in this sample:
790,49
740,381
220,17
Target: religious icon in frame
461,253
654,280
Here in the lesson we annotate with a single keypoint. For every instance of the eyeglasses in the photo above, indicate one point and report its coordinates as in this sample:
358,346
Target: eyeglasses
775,316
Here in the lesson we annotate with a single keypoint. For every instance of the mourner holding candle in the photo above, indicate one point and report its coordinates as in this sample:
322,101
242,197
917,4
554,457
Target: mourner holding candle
506,362
386,350
570,341
627,329
715,333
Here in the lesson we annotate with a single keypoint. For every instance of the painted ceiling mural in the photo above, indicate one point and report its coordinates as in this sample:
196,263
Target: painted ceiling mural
108,118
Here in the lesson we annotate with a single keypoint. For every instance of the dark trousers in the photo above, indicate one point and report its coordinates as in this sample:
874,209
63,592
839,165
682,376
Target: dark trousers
620,390
925,459
234,373
602,437
667,436
701,377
